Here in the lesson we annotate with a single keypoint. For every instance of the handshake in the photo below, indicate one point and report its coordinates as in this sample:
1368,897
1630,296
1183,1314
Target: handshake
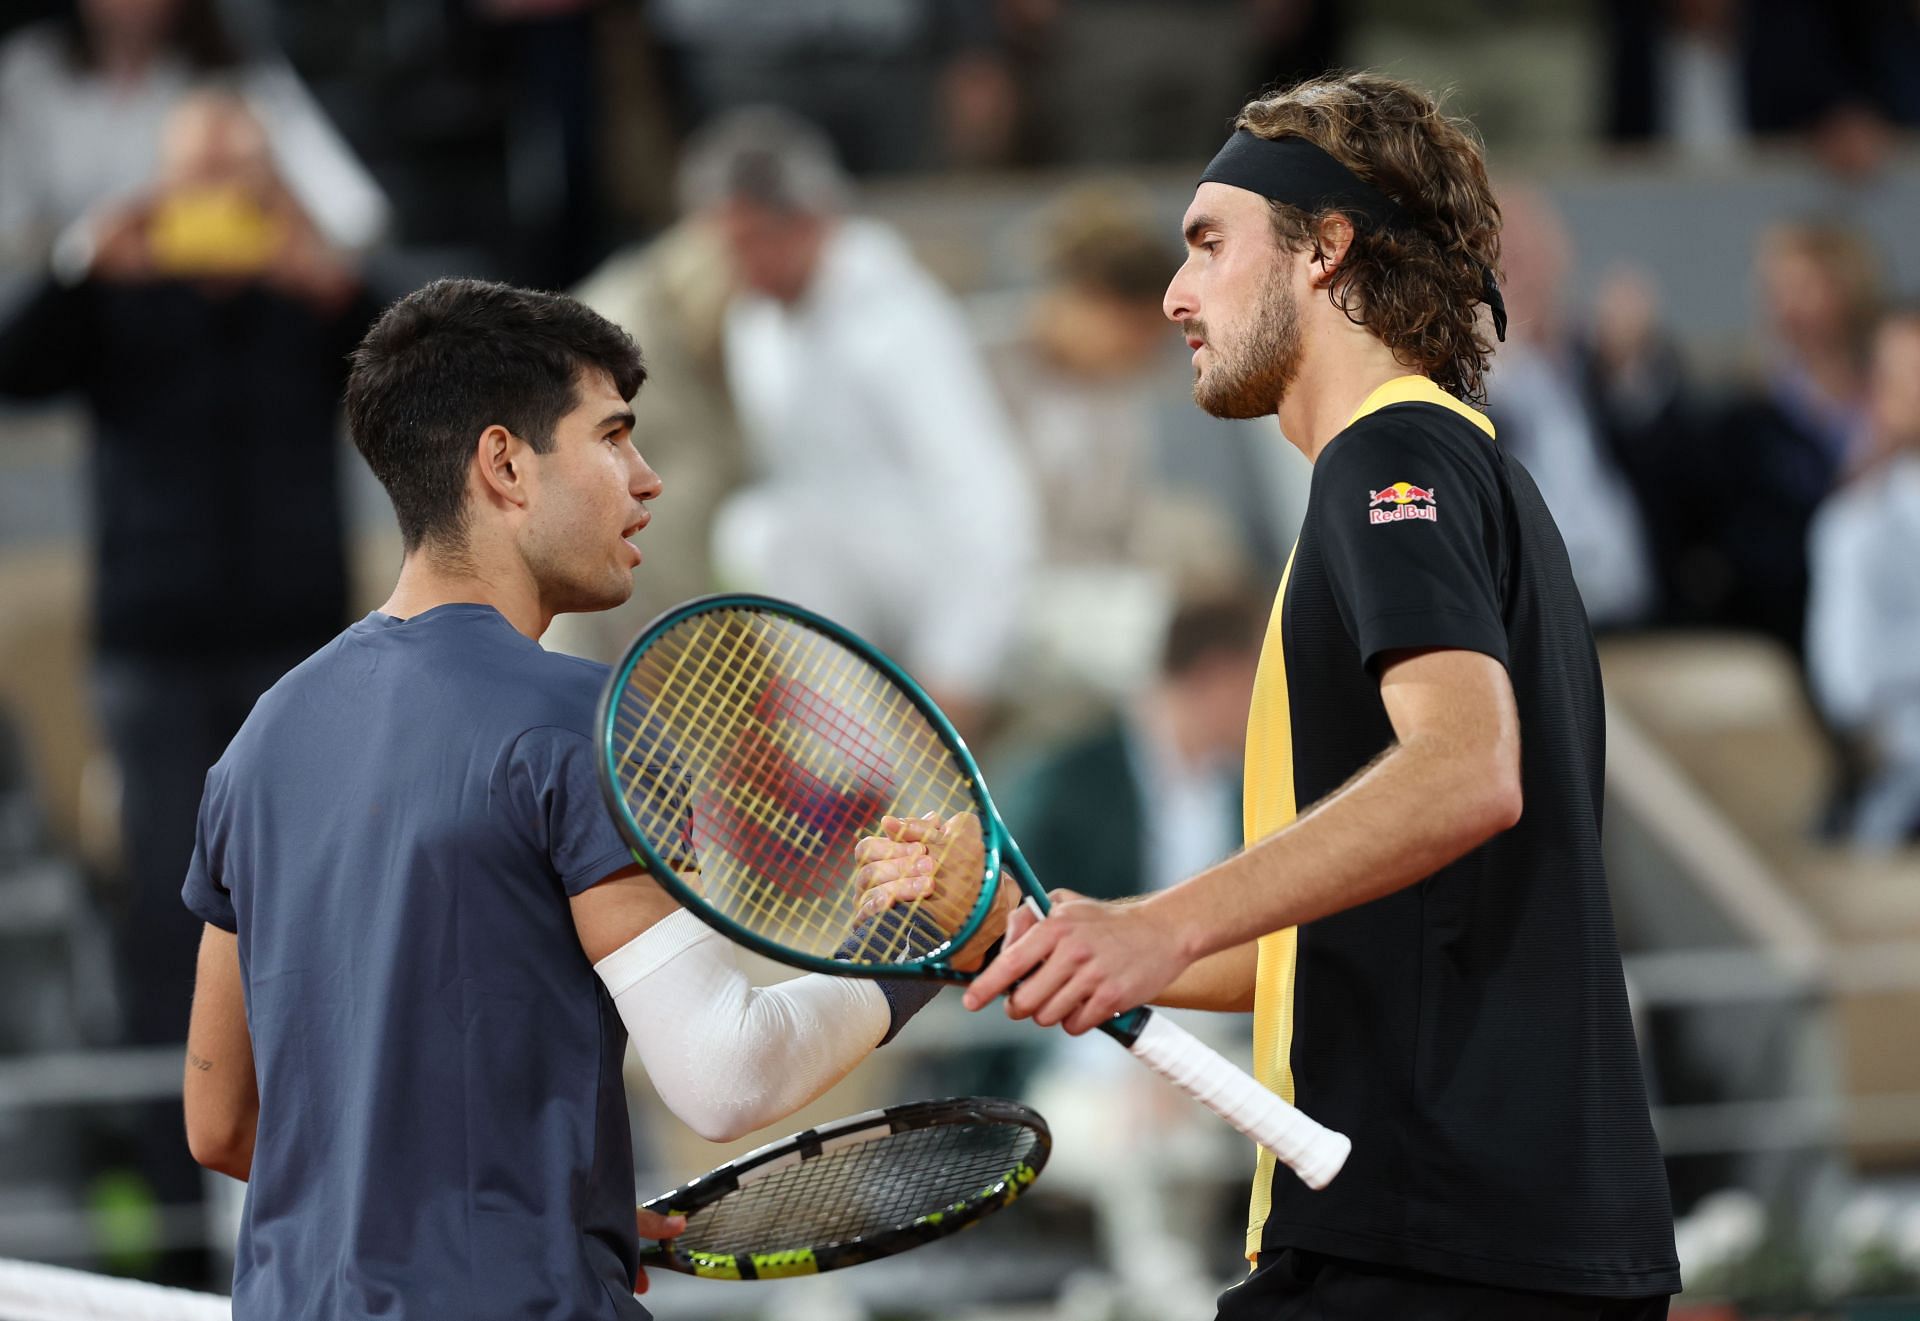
928,872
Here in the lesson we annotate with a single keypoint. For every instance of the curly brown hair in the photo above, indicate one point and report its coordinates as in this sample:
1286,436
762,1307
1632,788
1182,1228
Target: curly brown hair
1416,290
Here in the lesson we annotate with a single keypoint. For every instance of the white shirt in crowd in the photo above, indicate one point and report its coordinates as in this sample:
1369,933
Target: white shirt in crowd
1863,634
888,492
1545,421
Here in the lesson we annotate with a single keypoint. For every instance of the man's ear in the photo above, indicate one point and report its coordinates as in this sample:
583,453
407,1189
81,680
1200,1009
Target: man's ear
501,459
1331,240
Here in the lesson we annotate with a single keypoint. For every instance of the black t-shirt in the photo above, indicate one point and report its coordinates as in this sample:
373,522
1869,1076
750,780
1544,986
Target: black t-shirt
1469,1032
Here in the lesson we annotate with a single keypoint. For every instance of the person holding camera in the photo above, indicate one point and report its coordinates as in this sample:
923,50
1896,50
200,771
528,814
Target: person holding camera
207,337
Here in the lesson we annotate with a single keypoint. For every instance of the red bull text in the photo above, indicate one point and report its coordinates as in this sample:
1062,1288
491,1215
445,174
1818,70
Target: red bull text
1404,500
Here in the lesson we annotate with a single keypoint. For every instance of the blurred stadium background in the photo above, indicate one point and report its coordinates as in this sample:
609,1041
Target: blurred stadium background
1713,220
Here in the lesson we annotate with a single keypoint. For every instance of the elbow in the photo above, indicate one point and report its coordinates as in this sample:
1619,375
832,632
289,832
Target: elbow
1504,805
227,1149
720,1105
721,1122
1500,802
1490,797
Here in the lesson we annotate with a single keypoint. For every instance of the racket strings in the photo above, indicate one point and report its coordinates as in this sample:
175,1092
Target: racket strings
748,814
857,1191
765,750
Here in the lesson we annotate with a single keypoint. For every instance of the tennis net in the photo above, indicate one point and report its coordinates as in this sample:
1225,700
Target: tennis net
32,1292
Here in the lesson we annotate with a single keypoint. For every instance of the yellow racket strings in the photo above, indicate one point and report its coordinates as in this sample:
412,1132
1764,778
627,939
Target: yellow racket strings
769,749
780,910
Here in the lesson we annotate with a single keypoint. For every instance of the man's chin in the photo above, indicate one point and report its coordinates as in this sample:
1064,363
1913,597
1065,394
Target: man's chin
616,591
1232,408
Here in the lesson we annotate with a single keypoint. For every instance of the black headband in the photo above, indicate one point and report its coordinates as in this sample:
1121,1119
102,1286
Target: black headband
1296,172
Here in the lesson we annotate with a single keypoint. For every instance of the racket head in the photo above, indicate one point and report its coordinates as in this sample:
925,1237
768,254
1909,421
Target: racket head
854,1190
747,743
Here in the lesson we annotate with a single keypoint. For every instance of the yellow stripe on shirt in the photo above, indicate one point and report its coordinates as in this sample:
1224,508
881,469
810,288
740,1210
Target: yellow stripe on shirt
1269,805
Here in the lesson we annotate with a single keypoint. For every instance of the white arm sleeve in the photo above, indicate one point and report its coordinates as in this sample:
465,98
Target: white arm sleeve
728,1057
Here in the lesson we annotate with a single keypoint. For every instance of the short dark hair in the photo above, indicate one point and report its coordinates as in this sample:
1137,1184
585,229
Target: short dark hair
197,33
1227,624
456,357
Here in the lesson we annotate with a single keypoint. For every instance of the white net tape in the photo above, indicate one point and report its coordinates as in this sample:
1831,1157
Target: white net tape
32,1292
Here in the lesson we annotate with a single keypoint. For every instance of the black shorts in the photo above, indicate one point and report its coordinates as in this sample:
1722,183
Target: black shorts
1291,1285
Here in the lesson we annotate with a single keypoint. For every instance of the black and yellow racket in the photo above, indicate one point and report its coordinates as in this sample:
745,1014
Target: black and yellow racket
748,745
854,1190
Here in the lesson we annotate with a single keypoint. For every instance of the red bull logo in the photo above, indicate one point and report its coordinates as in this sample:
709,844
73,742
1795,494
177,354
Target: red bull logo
1403,500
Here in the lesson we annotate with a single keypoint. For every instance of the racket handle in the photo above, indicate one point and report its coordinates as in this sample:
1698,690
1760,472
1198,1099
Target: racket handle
1309,1149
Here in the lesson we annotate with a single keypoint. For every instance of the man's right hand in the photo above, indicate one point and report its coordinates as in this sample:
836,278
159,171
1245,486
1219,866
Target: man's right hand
655,1226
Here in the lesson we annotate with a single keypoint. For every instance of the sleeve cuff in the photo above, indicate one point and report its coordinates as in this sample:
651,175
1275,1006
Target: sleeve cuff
1430,631
211,911
585,877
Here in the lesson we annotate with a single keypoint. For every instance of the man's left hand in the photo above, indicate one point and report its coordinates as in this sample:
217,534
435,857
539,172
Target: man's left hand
1083,963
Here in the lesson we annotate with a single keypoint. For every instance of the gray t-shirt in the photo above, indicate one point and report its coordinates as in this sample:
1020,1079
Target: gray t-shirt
393,836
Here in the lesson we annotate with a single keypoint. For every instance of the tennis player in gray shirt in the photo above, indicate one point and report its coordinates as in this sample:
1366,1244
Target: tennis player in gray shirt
426,946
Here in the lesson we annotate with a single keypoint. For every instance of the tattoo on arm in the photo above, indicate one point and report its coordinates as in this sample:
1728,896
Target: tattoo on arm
197,1062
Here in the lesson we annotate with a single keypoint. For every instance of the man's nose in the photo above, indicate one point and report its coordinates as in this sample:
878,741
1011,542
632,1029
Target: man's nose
1180,304
646,484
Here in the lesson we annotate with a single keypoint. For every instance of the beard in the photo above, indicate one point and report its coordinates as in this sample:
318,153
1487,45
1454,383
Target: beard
1249,379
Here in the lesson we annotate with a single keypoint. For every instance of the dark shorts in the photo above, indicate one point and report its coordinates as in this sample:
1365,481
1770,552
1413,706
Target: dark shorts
1291,1285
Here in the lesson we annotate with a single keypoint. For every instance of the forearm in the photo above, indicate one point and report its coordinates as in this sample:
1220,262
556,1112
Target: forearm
728,1057
1413,811
218,1093
221,1130
1222,982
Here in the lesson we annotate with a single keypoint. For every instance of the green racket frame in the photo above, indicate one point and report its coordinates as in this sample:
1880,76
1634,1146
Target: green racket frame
999,845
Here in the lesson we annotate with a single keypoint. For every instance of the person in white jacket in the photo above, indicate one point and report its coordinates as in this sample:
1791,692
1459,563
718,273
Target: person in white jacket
886,489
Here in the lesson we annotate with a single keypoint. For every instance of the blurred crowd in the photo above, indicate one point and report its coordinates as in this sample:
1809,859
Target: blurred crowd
203,205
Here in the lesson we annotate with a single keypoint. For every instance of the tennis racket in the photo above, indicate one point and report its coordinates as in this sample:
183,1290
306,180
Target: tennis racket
748,745
854,1190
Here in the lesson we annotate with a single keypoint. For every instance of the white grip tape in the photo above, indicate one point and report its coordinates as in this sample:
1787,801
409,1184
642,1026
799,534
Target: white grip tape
1312,1151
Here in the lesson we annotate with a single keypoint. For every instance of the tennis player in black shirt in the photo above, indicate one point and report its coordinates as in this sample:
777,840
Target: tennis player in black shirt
1420,920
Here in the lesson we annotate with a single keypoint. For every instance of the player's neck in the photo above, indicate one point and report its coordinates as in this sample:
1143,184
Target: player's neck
428,580
1331,386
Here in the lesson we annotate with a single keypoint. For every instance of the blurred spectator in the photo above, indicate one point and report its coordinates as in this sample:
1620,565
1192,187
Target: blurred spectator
1162,777
1541,400
1080,383
671,295
896,84
1081,368
1637,386
1704,74
1863,619
1772,455
82,104
208,337
888,492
